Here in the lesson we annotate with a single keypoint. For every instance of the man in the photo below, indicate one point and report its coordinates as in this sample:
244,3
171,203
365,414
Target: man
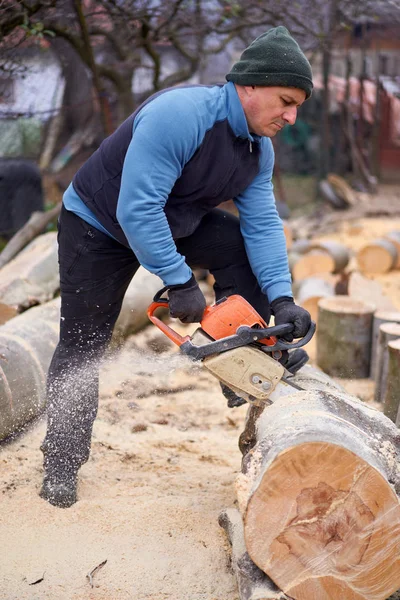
148,196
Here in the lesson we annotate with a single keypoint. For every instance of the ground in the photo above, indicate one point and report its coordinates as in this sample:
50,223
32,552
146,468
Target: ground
164,459
163,465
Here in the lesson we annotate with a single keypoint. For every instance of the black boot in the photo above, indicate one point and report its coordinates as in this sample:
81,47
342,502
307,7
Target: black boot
59,489
233,399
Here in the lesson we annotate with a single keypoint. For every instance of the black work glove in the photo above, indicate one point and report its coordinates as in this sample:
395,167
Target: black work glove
286,311
186,301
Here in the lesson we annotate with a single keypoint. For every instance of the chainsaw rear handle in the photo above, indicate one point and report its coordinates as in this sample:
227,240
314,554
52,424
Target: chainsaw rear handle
168,331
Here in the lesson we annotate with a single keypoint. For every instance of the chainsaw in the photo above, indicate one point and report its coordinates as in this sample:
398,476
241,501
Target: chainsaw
235,344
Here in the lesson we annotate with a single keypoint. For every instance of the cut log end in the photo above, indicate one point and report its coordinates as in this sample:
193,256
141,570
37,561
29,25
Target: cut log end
377,257
347,305
313,263
333,535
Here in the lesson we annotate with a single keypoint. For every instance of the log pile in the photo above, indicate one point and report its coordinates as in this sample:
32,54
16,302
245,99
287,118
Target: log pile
318,497
27,343
380,255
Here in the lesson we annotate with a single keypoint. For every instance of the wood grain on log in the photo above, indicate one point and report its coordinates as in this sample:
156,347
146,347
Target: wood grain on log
27,344
379,256
387,332
339,253
318,494
344,336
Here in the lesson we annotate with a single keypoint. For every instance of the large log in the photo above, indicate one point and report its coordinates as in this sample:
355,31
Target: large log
344,336
27,343
318,494
32,276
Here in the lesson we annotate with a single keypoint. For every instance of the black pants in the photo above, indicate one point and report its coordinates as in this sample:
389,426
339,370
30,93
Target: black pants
95,272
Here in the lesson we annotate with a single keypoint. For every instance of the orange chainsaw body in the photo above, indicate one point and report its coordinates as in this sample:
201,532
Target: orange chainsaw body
225,317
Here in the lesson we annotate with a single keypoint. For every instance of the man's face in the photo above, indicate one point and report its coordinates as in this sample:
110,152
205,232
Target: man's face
268,109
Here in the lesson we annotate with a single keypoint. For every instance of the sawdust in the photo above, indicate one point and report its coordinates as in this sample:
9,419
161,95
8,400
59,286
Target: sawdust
163,465
149,498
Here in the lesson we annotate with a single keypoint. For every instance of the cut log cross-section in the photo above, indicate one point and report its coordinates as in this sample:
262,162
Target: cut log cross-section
320,516
322,257
344,336
387,333
378,256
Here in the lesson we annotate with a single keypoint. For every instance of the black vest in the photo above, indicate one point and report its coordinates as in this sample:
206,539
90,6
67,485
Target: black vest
222,167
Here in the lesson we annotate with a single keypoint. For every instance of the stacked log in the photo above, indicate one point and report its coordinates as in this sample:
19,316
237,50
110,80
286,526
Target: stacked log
344,336
377,257
387,333
32,277
311,290
27,343
392,393
321,257
380,317
318,497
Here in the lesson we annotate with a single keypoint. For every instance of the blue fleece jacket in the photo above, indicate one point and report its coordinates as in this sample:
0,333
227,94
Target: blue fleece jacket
180,154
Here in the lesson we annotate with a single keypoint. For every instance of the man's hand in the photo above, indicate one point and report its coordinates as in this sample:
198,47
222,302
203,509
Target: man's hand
186,302
286,311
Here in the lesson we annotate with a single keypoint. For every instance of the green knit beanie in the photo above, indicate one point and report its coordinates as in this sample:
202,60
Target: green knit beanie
273,59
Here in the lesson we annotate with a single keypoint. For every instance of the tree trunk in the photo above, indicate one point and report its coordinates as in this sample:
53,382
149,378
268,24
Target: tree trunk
344,336
318,495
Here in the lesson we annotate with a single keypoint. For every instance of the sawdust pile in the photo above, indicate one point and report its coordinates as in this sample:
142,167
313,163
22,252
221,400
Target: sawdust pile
164,458
163,464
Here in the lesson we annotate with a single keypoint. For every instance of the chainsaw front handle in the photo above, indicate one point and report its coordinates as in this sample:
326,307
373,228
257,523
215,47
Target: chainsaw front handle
168,331
245,336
